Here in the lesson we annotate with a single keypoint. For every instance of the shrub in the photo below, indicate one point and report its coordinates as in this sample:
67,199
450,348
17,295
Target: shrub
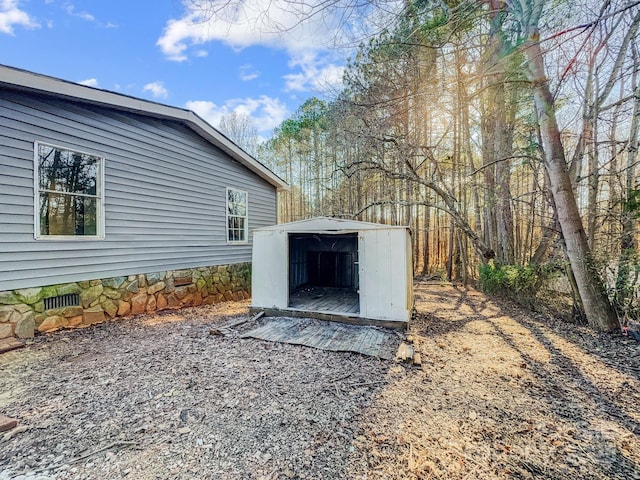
518,282
496,278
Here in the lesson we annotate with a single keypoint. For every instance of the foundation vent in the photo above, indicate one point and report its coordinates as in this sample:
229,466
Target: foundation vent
61,301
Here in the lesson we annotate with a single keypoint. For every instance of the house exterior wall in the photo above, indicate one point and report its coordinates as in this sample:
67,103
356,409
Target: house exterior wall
24,311
164,187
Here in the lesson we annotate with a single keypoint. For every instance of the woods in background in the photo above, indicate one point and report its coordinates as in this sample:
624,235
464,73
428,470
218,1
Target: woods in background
496,130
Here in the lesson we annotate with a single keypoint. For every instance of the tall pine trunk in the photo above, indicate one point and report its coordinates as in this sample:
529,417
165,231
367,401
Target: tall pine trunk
597,308
628,247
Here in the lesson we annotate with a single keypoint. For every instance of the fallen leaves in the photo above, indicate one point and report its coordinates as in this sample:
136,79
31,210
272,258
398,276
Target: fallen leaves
192,404
500,394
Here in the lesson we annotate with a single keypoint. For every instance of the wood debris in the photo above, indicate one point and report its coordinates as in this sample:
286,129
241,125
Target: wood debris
15,431
325,335
228,329
7,423
417,359
9,344
405,352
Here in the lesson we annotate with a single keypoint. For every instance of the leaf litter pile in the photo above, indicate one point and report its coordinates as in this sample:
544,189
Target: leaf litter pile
500,394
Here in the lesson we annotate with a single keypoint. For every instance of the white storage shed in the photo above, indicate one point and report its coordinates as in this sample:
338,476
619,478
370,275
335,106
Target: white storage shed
334,269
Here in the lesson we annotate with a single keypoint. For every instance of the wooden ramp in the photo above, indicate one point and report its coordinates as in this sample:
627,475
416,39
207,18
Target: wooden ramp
332,336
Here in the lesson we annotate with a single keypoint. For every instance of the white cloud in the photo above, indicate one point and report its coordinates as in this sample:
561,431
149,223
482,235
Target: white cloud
245,24
248,73
89,82
266,112
157,89
317,74
71,10
303,30
11,15
247,77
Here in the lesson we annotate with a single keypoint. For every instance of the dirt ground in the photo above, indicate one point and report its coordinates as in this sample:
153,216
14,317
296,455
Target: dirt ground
501,394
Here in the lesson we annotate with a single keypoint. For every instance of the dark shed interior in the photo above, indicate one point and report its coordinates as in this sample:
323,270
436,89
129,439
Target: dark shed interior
324,266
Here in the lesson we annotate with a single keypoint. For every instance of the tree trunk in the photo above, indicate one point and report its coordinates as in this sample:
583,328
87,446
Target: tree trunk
506,241
426,241
597,308
593,184
451,251
628,245
497,141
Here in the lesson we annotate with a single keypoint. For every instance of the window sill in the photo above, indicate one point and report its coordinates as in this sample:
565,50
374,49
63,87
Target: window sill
67,238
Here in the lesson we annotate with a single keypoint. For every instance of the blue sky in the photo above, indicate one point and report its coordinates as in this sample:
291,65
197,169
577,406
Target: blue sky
168,52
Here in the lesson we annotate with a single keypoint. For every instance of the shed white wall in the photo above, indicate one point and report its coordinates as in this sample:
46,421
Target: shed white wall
270,269
385,271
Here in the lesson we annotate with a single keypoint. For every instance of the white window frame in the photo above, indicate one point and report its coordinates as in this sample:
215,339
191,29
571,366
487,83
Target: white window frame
246,217
100,228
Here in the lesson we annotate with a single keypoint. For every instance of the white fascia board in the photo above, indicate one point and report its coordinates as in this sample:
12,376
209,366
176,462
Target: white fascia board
34,82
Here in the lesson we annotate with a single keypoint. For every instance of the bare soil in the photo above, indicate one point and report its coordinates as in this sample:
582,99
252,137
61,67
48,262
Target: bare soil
502,393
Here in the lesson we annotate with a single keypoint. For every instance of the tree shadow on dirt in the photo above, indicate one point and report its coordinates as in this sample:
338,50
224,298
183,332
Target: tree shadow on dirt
610,459
430,323
615,351
587,390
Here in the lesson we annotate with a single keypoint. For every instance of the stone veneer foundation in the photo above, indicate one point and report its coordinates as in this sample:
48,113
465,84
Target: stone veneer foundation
22,312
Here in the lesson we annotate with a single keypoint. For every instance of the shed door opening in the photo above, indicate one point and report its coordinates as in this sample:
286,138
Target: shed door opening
323,272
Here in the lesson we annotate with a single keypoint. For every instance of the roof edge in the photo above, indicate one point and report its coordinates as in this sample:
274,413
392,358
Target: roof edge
25,80
340,224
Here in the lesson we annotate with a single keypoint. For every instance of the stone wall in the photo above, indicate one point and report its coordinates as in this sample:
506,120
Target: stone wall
22,312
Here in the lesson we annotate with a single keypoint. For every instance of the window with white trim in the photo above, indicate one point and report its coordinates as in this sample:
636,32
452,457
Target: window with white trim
237,224
68,193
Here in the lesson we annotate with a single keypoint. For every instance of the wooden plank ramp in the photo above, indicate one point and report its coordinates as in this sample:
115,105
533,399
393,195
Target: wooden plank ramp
353,319
331,336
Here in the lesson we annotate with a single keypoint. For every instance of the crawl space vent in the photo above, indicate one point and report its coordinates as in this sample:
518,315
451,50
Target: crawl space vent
61,301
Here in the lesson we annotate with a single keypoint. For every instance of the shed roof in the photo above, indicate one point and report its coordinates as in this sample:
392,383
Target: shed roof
24,80
328,225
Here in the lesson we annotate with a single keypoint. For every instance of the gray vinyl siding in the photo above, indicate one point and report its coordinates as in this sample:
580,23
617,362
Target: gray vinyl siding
165,194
